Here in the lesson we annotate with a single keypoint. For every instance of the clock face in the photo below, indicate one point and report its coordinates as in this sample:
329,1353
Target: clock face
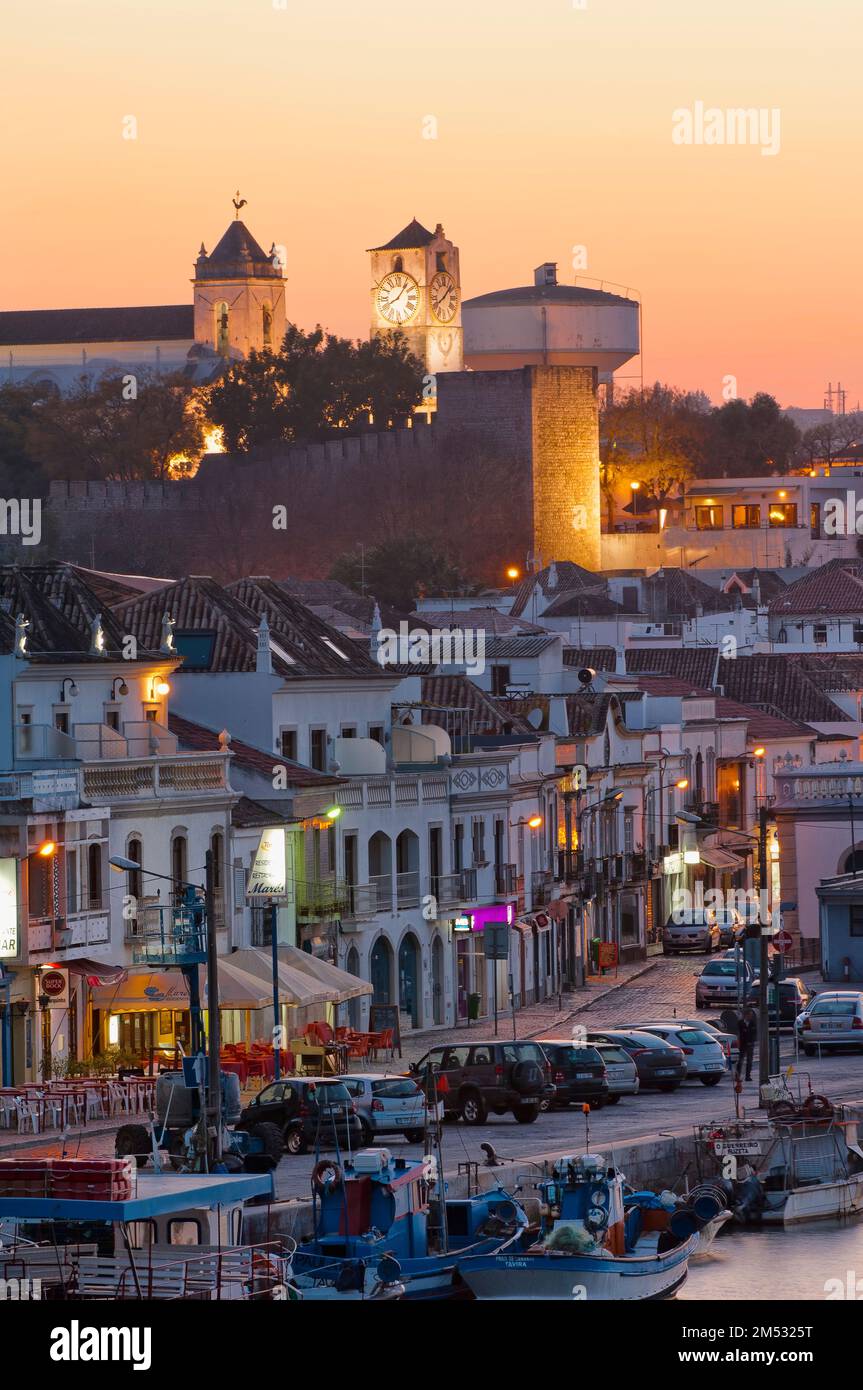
398,297
444,297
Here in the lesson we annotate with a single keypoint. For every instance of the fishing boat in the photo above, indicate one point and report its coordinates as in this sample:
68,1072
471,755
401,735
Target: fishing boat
803,1161
703,1212
385,1224
593,1246
99,1229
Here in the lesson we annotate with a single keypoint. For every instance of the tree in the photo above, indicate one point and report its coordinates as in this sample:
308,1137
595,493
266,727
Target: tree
654,437
20,471
396,572
749,438
831,439
315,384
118,427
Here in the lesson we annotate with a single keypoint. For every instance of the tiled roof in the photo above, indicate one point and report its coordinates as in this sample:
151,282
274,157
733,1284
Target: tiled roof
833,670
588,714
769,581
675,593
778,685
236,256
583,603
140,324
410,238
569,576
519,646
597,658
833,588
61,608
760,724
457,692
489,620
301,633
198,738
324,593
247,814
695,665
114,588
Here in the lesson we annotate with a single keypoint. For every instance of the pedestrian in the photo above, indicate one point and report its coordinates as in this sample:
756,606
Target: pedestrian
747,1036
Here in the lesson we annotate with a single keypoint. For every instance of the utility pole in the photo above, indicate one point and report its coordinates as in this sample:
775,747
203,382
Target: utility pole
853,837
214,1075
277,1011
764,937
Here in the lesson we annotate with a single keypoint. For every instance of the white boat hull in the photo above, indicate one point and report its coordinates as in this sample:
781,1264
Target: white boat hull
821,1201
575,1278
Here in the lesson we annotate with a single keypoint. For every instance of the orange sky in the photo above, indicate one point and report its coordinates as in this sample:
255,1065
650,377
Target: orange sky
554,130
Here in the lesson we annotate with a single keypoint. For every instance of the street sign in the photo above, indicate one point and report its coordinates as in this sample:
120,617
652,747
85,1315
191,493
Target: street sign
783,941
496,938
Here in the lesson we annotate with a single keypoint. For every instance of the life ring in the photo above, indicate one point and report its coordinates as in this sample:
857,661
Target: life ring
817,1107
326,1175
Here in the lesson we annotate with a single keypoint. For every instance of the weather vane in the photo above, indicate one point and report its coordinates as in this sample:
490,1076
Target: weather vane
238,203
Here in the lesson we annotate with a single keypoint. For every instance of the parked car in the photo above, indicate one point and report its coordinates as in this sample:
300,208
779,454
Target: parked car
698,931
793,998
491,1076
705,1060
577,1073
730,924
659,1064
621,1073
389,1105
309,1112
726,1040
718,984
833,1019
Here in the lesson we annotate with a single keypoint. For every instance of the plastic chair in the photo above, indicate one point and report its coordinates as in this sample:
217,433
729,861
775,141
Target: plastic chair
28,1114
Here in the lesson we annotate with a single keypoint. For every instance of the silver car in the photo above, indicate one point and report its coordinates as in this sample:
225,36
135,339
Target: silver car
621,1071
833,1019
705,1060
727,1041
389,1105
697,931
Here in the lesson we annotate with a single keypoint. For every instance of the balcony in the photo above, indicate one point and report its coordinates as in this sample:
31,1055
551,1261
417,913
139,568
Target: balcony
361,903
43,743
126,779
171,935
452,889
146,739
96,741
540,887
78,929
408,889
505,880
320,899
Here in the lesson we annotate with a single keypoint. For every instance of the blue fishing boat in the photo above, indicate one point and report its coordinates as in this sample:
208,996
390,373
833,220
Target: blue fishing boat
592,1245
385,1227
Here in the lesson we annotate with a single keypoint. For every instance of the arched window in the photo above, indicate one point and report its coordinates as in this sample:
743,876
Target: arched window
94,874
179,863
222,328
699,777
217,847
267,324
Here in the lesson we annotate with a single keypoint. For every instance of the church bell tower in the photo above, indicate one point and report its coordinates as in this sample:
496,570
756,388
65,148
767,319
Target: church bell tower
416,289
239,294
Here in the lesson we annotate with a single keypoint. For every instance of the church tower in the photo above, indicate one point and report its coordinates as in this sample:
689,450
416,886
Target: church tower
416,288
239,295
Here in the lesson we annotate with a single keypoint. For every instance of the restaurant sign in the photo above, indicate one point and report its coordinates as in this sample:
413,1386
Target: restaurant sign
8,909
268,878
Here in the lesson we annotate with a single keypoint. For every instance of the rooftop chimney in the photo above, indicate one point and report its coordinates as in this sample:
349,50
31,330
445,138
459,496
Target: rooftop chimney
264,655
546,274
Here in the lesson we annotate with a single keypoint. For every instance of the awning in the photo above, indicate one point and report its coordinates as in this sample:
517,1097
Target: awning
149,990
97,972
719,858
340,984
295,987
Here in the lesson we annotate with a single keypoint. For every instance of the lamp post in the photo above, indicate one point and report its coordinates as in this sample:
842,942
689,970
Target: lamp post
764,935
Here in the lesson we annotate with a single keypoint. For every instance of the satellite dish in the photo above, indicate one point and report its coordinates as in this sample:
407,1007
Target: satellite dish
535,718
587,675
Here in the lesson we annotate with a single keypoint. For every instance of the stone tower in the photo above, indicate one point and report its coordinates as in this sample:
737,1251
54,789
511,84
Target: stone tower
416,289
548,419
239,296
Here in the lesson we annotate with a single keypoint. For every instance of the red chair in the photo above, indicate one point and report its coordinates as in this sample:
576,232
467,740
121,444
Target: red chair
320,1032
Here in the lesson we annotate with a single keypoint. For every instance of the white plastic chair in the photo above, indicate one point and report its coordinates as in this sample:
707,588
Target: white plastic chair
28,1114
7,1110
119,1098
93,1102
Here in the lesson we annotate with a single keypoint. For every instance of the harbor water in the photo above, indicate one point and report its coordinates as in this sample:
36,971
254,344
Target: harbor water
777,1265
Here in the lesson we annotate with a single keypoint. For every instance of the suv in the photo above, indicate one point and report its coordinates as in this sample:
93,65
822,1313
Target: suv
308,1112
475,1078
698,931
577,1073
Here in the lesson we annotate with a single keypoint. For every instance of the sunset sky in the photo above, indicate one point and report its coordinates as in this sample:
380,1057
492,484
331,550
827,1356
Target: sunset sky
554,130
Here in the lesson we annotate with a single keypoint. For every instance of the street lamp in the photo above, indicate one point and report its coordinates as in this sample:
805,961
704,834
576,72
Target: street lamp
635,490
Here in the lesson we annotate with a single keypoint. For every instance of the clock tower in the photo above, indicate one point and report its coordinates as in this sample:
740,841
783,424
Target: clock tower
416,290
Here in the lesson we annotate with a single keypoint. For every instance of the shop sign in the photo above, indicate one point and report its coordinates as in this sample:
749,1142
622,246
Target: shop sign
268,876
8,909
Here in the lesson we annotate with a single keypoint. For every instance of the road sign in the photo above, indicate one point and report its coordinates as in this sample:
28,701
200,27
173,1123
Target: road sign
496,942
783,941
